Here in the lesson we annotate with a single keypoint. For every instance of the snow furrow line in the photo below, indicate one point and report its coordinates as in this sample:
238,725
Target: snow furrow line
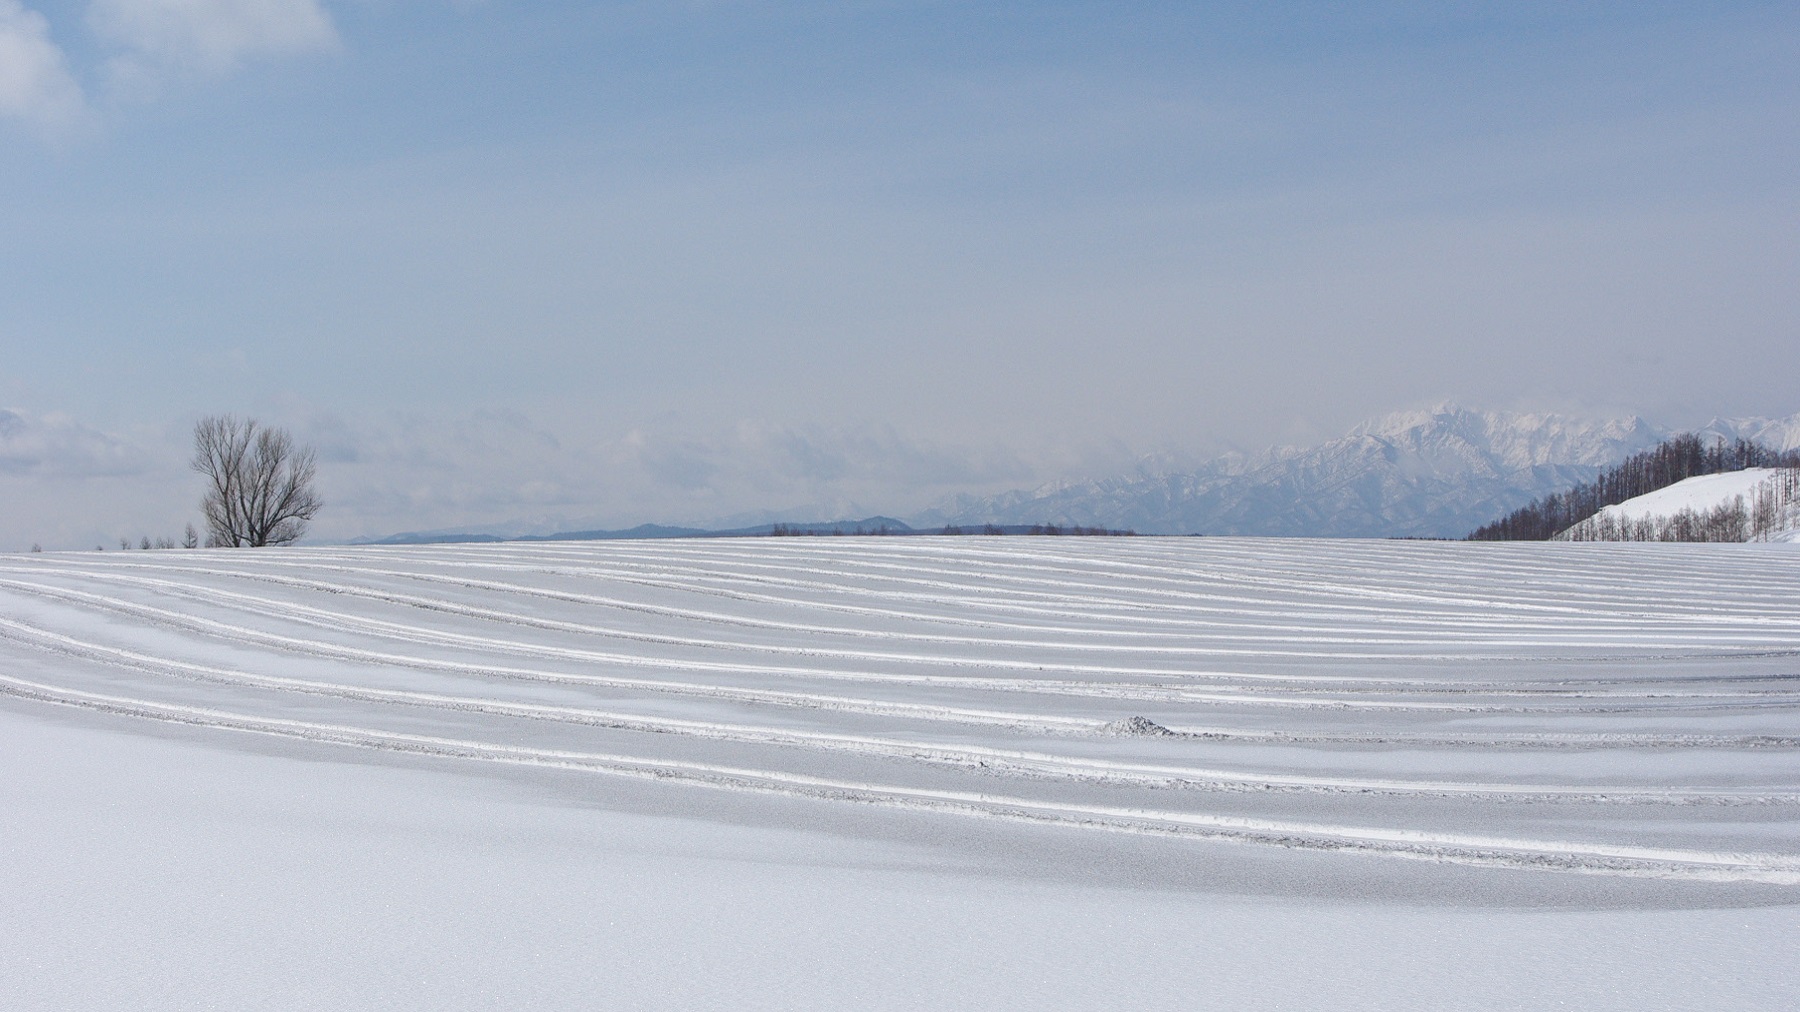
1018,762
1163,693
1458,848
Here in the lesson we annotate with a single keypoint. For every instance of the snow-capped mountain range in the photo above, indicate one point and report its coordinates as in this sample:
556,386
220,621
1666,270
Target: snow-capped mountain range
1440,472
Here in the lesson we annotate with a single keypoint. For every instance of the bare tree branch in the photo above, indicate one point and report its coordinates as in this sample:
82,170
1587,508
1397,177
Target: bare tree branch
260,486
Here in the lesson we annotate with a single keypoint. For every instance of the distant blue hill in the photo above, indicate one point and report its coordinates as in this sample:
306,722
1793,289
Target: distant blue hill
866,526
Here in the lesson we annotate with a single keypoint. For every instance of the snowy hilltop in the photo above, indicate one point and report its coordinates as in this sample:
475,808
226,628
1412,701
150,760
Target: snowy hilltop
1755,504
1434,473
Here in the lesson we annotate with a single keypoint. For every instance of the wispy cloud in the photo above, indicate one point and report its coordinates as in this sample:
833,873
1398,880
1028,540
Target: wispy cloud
150,42
35,83
58,446
66,484
506,470
157,38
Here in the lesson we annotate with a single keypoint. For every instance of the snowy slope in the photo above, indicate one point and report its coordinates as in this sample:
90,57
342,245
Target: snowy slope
1700,495
902,773
1435,473
888,671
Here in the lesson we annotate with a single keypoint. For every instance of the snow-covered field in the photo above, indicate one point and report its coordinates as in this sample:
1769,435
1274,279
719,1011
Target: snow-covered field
908,773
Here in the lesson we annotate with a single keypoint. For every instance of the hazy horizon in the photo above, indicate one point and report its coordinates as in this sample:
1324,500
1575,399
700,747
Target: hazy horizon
750,469
679,262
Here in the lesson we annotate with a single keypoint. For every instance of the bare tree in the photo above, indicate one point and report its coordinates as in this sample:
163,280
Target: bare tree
260,485
190,538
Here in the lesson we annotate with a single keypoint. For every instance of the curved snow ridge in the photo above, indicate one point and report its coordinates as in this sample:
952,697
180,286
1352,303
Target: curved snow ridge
639,607
318,648
703,642
1237,576
1456,848
1593,581
1260,695
1475,611
1477,614
1407,674
1520,740
1263,695
887,612
1000,761
1120,691
255,604
776,697
1196,642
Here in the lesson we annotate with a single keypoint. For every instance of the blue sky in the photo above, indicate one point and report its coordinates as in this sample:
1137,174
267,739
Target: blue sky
679,261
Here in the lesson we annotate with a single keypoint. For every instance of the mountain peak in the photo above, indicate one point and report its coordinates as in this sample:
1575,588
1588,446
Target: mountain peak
1775,433
1444,414
1439,471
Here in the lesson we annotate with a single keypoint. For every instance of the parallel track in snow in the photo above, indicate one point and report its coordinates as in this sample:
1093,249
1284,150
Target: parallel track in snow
1418,692
1469,849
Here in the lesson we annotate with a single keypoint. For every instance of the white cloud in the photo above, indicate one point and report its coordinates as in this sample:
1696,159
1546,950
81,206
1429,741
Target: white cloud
205,36
35,84
508,471
66,484
58,446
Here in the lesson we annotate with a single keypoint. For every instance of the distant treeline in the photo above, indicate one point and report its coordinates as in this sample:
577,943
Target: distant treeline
952,530
1678,459
867,527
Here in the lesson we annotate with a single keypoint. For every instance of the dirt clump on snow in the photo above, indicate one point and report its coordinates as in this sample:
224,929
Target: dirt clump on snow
1136,726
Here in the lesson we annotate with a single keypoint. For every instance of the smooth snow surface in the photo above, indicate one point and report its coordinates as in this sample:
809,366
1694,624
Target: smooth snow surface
907,773
1699,493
